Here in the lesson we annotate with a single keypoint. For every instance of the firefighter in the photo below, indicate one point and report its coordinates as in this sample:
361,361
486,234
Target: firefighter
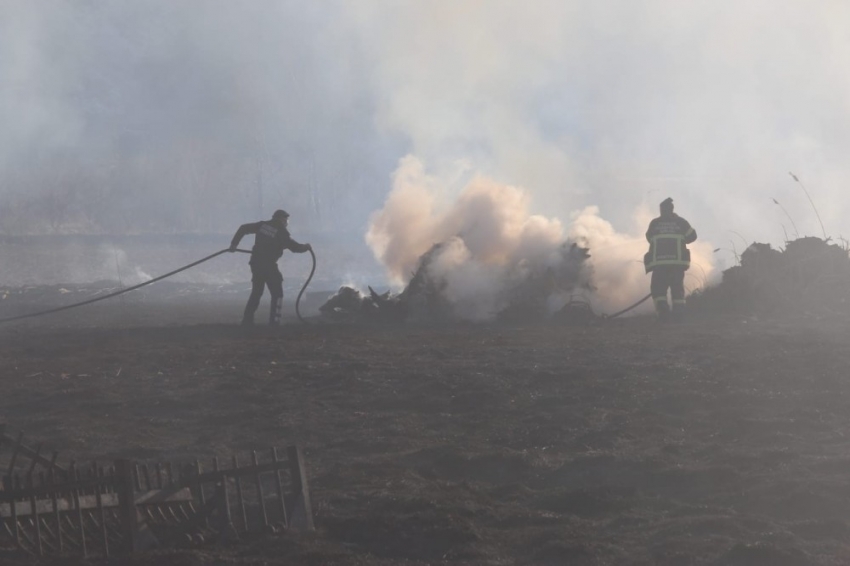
271,239
668,258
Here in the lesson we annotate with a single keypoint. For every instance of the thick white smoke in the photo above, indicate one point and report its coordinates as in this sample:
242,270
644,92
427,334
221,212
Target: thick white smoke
597,103
488,234
490,221
617,258
492,243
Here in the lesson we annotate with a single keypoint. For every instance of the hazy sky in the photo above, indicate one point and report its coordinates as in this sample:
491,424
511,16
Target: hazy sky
178,115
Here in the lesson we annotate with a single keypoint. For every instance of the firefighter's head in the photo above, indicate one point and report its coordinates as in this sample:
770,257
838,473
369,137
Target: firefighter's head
666,206
280,217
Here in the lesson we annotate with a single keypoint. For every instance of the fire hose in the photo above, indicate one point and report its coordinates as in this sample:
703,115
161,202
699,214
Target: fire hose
301,292
154,280
627,309
209,257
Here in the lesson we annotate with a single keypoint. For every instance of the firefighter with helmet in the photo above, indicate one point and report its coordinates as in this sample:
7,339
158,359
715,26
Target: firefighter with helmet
271,238
667,259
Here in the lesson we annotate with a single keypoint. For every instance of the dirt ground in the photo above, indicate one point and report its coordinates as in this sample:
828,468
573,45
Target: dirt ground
717,442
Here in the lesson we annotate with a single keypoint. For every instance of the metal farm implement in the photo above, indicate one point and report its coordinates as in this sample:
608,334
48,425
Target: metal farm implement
47,509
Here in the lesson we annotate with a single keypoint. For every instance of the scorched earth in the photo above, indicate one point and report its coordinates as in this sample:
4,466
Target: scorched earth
722,441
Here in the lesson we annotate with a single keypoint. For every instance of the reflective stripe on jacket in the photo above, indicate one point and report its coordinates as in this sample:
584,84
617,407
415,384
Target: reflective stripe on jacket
667,237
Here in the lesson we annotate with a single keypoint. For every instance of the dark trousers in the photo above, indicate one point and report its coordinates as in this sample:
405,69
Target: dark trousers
264,275
668,277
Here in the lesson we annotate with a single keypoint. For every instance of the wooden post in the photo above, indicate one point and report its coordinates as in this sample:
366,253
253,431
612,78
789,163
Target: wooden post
39,549
301,510
239,496
279,489
98,497
126,504
14,514
202,499
75,476
54,497
227,529
260,497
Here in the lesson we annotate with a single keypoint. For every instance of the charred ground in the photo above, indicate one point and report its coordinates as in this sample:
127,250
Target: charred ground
626,442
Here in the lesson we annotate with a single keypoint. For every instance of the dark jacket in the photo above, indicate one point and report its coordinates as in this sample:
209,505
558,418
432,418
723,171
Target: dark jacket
269,242
667,236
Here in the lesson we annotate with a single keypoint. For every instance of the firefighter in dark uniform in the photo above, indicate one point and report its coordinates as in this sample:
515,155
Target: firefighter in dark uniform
667,259
271,239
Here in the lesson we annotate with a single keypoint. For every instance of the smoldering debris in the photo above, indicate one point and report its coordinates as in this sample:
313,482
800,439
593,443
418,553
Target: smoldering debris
349,305
809,275
528,291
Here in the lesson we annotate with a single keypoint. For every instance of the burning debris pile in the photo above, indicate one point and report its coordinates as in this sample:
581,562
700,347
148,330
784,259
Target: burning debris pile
494,258
526,291
810,274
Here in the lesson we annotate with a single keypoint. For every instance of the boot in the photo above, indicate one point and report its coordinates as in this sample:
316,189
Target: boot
663,309
678,311
274,312
251,307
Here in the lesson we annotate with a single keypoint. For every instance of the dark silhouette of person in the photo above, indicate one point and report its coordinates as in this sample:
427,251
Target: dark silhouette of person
667,259
271,238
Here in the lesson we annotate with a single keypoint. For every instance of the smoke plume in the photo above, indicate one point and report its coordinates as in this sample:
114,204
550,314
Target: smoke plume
616,258
492,244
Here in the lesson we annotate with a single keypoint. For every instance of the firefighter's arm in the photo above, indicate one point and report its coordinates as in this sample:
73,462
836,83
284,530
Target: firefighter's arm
298,248
690,233
240,233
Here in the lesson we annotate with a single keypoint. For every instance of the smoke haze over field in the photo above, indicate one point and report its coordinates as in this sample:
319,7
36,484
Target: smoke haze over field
182,116
200,115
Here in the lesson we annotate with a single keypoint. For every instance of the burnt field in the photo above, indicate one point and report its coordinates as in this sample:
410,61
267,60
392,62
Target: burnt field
722,442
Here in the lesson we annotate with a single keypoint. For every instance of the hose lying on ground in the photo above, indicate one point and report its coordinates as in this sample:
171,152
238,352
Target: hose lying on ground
301,292
122,291
627,309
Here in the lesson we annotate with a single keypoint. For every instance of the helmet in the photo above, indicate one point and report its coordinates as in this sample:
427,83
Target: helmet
280,215
666,204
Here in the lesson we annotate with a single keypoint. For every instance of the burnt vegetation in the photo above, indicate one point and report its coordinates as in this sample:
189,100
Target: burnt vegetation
715,443
425,297
810,275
